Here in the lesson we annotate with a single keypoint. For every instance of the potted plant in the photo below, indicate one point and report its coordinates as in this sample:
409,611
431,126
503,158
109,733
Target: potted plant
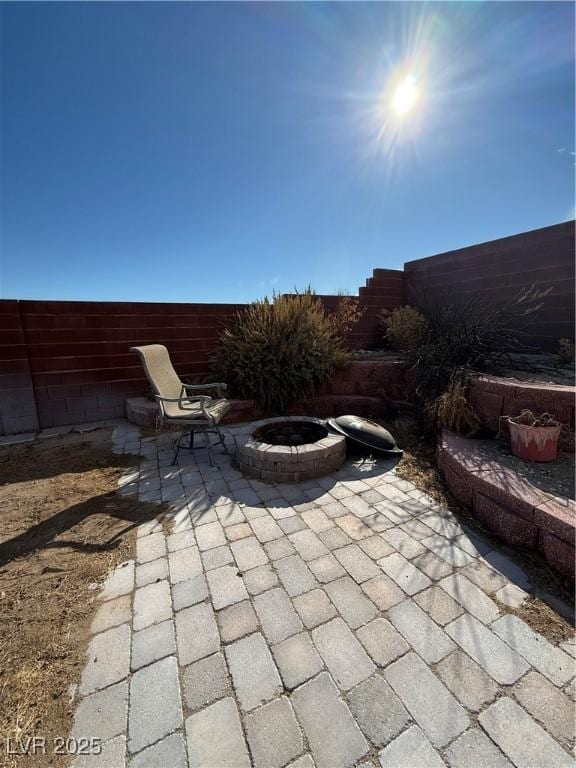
534,438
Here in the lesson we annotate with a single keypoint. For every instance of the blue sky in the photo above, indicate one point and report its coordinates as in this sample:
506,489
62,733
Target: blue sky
219,151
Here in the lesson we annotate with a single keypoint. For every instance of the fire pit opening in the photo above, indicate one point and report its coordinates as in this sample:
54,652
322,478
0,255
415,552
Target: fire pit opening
289,449
291,433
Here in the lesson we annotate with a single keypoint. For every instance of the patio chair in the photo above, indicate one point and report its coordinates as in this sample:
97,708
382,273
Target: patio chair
179,403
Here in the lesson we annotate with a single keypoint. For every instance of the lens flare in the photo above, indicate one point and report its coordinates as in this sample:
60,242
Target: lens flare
404,96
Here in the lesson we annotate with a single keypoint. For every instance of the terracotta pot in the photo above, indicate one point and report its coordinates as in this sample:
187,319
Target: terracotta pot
534,443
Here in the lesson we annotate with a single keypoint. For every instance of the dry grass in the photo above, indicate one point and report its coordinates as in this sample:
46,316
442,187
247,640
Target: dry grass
62,529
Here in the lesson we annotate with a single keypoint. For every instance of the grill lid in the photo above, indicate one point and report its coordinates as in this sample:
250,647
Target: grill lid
366,433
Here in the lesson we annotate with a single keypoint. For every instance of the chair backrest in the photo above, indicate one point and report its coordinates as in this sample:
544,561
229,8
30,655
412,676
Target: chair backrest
159,370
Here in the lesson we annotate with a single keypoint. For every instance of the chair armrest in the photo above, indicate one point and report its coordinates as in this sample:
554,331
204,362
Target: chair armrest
183,399
218,386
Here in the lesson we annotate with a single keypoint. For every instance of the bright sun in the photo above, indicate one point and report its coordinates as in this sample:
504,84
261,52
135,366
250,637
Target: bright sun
405,96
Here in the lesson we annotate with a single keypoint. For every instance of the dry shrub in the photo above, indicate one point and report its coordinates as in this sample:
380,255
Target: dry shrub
469,334
345,316
453,411
530,419
279,350
404,327
565,351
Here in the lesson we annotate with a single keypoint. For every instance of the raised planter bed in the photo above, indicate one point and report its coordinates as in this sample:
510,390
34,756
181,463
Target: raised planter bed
508,504
492,397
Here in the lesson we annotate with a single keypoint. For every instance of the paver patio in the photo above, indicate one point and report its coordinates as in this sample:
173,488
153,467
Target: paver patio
345,621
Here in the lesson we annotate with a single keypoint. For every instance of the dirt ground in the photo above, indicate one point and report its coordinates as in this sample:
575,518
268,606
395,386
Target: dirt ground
62,528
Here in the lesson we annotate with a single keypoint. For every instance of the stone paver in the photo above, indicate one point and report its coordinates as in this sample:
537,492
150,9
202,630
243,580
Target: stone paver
248,553
309,625
326,568
273,734
205,681
357,563
171,751
409,578
487,650
552,662
471,597
108,659
438,605
277,616
237,621
155,708
334,538
196,633
266,529
217,557
375,547
260,579
150,547
378,711
189,592
334,737
253,671
350,601
226,586
403,542
484,577
526,744
314,608
424,635
308,545
431,705
111,614
550,706
383,643
297,659
295,575
474,748
152,644
102,715
152,604
119,582
467,681
447,550
345,658
432,565
411,750
383,592
215,739
184,564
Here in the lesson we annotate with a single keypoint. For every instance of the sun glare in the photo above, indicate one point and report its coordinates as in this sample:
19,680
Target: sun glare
404,96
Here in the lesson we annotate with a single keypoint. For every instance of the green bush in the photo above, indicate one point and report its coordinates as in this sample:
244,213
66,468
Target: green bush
279,350
403,327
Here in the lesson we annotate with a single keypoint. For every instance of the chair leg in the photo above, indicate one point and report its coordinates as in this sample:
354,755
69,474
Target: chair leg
209,447
221,438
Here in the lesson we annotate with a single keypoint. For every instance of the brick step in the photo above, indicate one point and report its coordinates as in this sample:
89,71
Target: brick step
384,282
384,292
507,503
378,273
385,302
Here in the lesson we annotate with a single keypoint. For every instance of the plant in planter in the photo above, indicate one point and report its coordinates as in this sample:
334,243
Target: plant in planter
534,438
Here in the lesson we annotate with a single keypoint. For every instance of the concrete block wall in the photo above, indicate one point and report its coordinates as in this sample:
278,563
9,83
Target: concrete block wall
78,354
500,269
68,362
18,411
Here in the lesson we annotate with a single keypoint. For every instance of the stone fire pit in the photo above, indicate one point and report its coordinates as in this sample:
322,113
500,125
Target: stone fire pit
290,449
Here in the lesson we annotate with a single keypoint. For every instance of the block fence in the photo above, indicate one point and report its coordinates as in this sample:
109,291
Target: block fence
64,362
